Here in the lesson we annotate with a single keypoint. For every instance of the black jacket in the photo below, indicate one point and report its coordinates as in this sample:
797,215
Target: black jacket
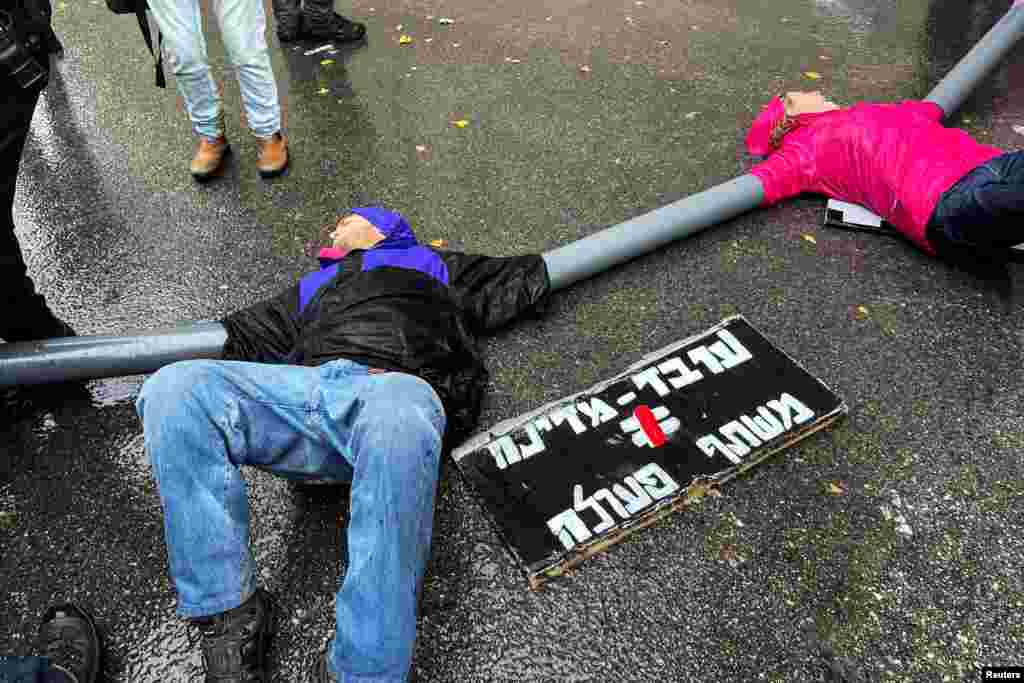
398,318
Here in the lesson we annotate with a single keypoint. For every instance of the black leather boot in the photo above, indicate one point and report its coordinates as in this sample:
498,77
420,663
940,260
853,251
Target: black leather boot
69,639
235,642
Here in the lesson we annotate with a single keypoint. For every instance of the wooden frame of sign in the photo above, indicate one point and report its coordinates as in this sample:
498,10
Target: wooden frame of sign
573,477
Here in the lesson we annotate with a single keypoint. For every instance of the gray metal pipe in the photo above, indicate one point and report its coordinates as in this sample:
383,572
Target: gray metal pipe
79,358
70,359
954,88
619,243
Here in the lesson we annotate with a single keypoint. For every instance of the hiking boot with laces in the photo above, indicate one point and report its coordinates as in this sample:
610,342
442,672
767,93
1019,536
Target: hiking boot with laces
209,157
69,640
273,155
235,642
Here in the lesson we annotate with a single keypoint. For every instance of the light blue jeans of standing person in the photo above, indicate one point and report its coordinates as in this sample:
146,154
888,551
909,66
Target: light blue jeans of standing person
203,419
243,25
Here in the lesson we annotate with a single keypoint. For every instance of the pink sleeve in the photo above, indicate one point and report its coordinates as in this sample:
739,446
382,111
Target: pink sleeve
927,109
780,176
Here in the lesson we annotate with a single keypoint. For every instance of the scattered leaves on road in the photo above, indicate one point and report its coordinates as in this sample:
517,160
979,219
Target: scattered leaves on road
837,488
445,21
809,238
8,520
326,62
404,39
813,75
323,91
440,244
585,69
729,553
1019,130
460,123
692,115
861,313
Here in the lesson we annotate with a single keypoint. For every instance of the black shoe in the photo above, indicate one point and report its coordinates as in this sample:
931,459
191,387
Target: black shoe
336,28
321,674
235,642
69,639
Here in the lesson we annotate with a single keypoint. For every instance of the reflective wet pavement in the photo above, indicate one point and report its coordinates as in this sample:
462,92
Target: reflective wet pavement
914,571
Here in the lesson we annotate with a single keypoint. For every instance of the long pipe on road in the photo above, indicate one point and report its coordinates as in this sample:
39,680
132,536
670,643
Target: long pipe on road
92,357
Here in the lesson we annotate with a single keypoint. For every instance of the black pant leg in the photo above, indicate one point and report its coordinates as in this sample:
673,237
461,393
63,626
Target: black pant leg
23,312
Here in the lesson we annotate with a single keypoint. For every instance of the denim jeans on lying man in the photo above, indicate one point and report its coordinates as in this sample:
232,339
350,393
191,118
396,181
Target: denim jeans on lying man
382,432
983,213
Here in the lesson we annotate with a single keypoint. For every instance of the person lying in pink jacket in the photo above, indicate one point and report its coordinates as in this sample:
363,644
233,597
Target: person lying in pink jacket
948,194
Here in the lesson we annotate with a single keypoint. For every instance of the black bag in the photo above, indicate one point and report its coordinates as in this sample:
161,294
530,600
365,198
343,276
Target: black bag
138,8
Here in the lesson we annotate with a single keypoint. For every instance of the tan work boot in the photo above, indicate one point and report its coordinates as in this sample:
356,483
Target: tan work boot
209,157
273,157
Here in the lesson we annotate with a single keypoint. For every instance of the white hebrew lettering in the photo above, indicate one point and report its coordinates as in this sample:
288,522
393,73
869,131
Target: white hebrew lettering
650,377
710,443
626,398
686,375
567,413
580,504
504,452
569,528
787,403
702,355
598,411
606,496
734,429
764,425
636,500
535,446
729,349
656,481
544,423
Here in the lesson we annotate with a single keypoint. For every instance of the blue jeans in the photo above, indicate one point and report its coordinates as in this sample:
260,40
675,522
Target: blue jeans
339,422
984,211
29,670
243,24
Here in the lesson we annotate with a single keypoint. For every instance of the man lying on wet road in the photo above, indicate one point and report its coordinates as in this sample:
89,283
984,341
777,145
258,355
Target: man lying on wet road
351,375
948,194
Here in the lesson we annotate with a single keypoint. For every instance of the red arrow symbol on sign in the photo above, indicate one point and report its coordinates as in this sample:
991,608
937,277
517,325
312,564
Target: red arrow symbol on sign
650,425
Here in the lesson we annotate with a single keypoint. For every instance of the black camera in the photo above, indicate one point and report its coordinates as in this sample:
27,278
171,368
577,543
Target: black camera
16,58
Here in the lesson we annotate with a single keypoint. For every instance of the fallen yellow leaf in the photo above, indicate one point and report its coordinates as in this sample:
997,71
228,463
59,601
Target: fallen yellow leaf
404,40
862,312
835,489
437,243
323,91
813,75
810,238
461,123
326,62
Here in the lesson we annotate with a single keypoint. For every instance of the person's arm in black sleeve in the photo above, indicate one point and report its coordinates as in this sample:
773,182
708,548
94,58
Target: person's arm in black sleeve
495,291
265,332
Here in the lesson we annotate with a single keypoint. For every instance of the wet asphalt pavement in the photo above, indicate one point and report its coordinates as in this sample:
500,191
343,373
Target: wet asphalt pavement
911,574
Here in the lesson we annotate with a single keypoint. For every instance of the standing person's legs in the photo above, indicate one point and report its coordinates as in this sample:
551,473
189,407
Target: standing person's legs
203,419
243,23
23,313
181,24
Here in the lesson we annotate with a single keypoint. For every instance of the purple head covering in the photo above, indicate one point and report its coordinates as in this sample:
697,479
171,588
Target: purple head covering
397,232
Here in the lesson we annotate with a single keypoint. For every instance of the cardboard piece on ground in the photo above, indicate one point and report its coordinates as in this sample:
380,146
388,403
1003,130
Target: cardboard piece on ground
571,478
